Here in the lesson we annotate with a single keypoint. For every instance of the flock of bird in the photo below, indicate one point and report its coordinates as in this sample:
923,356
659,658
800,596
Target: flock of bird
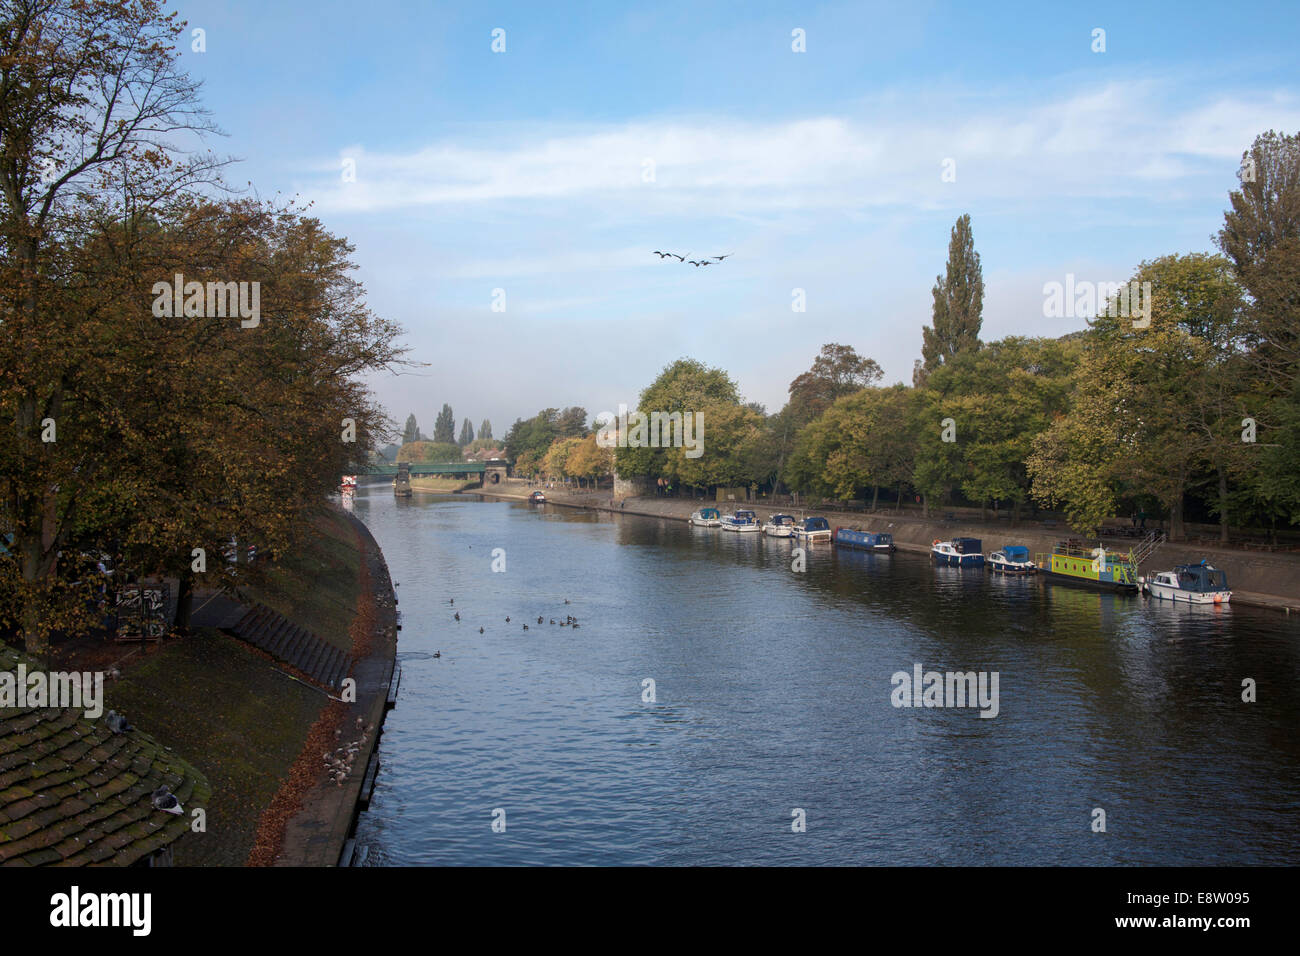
694,262
339,763
569,620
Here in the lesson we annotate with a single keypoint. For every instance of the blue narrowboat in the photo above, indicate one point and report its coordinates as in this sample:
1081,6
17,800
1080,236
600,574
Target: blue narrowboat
864,540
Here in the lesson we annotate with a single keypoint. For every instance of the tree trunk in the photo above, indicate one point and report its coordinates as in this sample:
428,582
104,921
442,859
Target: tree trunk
1015,514
1223,506
184,602
925,506
875,496
898,505
1176,518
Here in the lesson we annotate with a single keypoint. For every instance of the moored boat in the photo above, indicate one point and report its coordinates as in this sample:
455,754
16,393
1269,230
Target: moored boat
959,552
864,540
779,526
1012,559
706,518
349,485
742,519
537,498
1074,562
1189,583
813,529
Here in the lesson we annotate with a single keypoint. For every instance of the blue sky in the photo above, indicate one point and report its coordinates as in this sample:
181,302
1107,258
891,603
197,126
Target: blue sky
527,170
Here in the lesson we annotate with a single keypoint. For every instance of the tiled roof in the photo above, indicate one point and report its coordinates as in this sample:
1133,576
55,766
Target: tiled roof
74,793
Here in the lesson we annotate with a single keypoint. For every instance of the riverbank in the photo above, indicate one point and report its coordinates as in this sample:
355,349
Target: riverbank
256,727
1261,580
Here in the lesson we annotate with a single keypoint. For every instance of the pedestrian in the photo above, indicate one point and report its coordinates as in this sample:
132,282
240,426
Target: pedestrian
1142,517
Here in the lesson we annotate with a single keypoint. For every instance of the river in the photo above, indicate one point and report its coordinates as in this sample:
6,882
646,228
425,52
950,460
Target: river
772,695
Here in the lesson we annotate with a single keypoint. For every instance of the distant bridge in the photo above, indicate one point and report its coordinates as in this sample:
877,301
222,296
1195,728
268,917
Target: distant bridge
450,469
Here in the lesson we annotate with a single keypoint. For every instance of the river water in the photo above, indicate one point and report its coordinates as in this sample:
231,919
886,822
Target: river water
773,695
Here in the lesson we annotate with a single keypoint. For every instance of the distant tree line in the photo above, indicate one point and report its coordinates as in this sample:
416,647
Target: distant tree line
1193,408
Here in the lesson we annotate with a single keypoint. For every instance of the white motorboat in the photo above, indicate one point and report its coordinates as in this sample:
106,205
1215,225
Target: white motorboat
706,518
741,520
779,526
1190,584
813,530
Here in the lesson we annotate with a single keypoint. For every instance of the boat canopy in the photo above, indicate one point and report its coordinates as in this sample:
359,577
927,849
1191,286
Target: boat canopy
782,519
1200,577
742,513
816,524
709,513
967,545
1016,552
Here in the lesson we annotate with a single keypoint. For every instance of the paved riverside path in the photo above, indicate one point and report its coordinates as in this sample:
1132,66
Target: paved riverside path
316,834
1269,580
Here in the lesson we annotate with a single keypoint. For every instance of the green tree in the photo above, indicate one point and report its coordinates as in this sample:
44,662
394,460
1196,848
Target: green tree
1261,238
572,422
1146,413
485,429
684,386
430,451
958,302
466,433
837,371
444,427
411,432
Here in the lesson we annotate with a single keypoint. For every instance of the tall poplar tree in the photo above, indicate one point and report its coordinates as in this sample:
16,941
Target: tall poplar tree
444,429
466,433
958,303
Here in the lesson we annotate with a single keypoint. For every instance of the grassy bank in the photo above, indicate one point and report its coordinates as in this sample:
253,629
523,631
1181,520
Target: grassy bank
442,485
227,709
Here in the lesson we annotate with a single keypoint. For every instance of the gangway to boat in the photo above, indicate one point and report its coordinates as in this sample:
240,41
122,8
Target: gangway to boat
1147,547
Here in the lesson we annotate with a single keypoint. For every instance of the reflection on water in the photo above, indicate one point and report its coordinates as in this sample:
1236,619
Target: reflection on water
773,693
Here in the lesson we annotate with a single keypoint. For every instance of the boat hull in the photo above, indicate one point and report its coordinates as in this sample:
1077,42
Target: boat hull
1118,586
958,560
1007,567
1164,592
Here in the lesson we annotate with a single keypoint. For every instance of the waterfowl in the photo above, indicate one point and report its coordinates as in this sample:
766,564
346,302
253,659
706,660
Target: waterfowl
457,615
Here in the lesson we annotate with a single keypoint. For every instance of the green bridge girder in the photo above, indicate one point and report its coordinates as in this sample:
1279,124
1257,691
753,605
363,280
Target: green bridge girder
450,468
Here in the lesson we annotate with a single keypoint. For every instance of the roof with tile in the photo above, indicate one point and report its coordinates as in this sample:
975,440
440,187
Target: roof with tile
74,793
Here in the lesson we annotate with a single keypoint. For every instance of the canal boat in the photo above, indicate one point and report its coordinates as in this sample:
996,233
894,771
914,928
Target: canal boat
349,485
813,530
537,498
1012,559
959,552
779,526
1074,562
1189,583
742,519
865,540
706,518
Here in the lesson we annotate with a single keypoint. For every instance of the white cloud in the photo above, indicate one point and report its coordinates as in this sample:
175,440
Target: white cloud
1109,142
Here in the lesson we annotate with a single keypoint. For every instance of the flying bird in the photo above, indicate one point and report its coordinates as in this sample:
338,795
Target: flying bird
705,262
694,263
727,256
663,255
677,257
